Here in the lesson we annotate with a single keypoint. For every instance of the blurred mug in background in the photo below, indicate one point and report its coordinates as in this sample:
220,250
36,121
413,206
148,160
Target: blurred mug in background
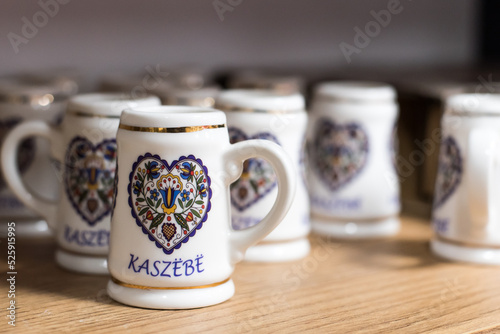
280,118
352,177
466,212
22,100
84,145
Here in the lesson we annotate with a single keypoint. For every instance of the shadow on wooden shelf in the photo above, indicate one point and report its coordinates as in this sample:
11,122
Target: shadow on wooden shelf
390,253
39,274
392,284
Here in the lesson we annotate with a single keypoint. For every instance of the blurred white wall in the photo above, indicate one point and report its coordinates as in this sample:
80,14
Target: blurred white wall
98,36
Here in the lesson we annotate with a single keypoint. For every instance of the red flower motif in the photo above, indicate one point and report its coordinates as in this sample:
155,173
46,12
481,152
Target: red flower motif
189,217
149,215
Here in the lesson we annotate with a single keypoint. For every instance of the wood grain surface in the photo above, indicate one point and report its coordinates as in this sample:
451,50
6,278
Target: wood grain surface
377,286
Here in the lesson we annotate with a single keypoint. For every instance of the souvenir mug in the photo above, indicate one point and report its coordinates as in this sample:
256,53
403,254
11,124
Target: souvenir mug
84,147
466,213
352,178
280,118
21,100
172,245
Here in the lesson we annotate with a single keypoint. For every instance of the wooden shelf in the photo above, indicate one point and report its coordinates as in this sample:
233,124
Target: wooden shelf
343,286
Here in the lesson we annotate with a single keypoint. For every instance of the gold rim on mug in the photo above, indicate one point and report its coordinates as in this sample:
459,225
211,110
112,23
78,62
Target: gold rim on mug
464,243
142,287
254,110
171,130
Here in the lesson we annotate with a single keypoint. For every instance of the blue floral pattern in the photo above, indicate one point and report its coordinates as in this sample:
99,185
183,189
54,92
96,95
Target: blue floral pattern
258,177
89,177
338,152
171,202
449,172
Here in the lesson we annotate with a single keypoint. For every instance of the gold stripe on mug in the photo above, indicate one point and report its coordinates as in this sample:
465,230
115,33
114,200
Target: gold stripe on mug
142,287
465,243
180,129
255,110
80,113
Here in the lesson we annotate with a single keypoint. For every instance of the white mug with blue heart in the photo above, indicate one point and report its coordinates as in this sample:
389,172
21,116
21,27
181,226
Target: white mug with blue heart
172,245
84,147
466,212
280,118
351,170
21,100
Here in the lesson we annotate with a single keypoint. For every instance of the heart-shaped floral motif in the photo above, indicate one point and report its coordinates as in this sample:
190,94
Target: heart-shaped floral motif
258,176
169,202
26,151
89,177
338,152
449,172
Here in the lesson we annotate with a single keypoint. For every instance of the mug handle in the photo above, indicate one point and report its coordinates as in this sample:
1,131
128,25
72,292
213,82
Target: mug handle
47,209
241,240
483,179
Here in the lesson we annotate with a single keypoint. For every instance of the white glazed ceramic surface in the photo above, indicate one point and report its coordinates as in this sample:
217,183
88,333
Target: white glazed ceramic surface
20,102
351,172
281,118
466,214
172,245
84,148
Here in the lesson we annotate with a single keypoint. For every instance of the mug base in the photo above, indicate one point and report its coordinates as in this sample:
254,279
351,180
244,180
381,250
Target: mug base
456,252
178,299
355,229
84,264
278,251
27,227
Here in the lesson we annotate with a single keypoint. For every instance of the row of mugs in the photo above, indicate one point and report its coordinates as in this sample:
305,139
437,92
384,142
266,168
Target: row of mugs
171,199
176,167
165,176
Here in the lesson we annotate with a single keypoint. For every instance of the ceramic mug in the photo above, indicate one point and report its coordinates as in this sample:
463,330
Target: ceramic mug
172,245
84,146
352,177
21,100
466,214
280,118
